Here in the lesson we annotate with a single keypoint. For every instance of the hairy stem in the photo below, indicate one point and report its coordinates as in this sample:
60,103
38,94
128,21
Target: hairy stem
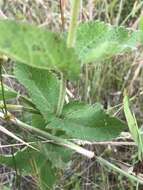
73,24
56,140
45,134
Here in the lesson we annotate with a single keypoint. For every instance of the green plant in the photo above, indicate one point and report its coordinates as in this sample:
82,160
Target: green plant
133,127
43,64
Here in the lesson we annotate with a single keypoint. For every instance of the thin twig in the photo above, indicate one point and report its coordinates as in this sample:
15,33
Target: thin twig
62,15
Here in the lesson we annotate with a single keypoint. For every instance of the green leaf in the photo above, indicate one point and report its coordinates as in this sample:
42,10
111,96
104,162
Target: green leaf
37,47
48,176
132,124
24,158
87,122
46,162
38,121
42,86
97,41
8,93
58,156
30,162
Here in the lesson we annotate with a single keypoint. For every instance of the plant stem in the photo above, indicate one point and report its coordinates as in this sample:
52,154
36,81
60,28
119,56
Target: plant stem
104,162
61,96
73,24
45,134
86,84
2,88
56,140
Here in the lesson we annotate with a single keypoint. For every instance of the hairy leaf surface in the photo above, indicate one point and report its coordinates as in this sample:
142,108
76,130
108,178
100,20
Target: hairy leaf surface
37,47
42,86
98,41
87,122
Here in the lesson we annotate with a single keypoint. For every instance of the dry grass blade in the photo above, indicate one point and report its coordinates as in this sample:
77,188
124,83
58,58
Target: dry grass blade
7,132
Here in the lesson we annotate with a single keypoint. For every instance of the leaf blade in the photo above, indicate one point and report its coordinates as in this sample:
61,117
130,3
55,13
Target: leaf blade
97,41
130,120
37,47
87,122
39,84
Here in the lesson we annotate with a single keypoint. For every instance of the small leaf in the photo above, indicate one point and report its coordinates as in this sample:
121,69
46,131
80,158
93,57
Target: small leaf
97,41
87,122
42,86
37,47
